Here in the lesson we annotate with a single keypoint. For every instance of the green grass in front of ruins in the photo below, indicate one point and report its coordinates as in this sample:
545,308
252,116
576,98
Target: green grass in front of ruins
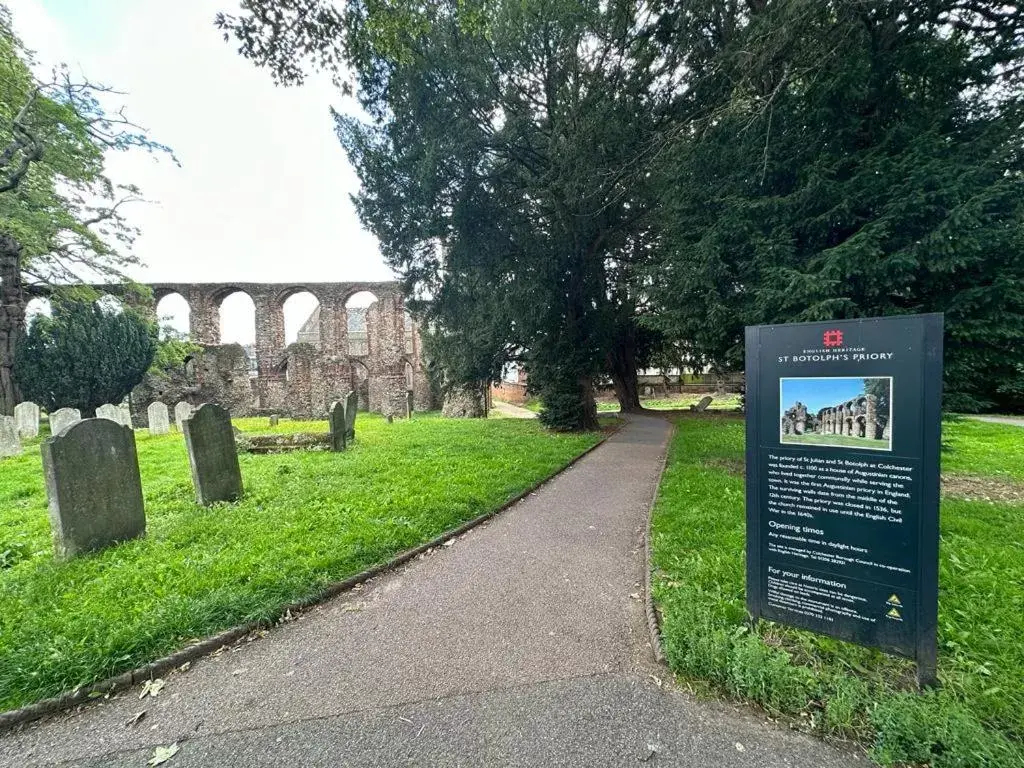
974,720
841,441
307,519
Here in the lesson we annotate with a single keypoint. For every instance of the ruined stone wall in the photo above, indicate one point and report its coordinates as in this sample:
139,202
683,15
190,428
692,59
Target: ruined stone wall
214,374
326,368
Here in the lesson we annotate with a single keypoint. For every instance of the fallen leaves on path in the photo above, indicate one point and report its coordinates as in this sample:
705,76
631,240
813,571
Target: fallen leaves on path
162,754
152,688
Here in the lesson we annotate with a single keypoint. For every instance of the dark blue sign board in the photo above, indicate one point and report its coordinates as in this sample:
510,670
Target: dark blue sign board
843,440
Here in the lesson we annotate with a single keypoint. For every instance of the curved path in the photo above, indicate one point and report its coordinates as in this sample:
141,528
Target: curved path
522,644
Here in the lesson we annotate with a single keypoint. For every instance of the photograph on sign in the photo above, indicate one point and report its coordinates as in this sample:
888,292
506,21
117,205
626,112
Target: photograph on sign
836,411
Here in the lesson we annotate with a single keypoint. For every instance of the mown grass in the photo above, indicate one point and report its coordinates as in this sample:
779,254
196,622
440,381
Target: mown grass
727,402
307,519
849,441
976,718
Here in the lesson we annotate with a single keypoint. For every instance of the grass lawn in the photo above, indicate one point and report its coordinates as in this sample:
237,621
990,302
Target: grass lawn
307,519
838,689
728,402
849,441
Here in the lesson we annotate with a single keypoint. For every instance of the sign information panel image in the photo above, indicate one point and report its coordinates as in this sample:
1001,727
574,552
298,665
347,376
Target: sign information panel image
843,439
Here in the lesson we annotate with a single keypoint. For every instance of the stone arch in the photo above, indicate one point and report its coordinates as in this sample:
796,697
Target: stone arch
37,306
860,426
173,313
301,308
357,321
236,311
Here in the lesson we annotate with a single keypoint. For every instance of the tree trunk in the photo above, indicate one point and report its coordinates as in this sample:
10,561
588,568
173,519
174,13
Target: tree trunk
622,366
12,320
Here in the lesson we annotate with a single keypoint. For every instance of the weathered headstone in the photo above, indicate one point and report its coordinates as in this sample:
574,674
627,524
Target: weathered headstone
212,456
26,419
10,443
124,416
159,418
110,412
409,399
63,418
351,405
702,405
93,487
181,412
338,425
274,420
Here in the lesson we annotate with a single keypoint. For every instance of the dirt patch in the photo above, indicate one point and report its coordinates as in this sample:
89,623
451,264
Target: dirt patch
730,466
975,488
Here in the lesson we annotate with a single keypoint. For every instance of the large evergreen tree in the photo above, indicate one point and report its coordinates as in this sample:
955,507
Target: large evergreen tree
691,167
83,356
851,159
505,169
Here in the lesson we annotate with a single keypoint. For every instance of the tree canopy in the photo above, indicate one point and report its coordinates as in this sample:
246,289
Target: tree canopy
581,185
61,217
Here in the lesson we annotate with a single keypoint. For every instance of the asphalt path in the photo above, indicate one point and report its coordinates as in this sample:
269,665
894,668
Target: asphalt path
524,643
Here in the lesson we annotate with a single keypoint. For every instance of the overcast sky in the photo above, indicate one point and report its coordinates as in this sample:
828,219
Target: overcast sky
262,194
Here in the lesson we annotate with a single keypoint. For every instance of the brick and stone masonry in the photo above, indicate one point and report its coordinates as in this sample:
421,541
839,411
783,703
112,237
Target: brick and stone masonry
381,361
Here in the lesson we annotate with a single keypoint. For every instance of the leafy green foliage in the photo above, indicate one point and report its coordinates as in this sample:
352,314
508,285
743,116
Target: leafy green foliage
84,356
570,170
974,720
854,159
307,519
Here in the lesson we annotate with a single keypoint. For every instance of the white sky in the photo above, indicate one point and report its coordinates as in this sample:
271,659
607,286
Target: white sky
262,191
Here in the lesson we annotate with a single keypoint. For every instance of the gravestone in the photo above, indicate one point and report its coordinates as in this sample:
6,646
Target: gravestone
181,412
212,456
274,420
62,419
159,418
409,395
702,405
338,425
351,404
10,444
93,487
124,416
110,412
26,418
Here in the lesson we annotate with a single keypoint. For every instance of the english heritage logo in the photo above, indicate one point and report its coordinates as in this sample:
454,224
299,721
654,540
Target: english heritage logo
833,338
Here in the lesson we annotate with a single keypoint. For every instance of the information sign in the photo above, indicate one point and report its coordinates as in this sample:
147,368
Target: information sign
843,439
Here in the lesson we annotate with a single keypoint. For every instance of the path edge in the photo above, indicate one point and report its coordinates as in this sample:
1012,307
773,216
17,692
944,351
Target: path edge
94,691
653,619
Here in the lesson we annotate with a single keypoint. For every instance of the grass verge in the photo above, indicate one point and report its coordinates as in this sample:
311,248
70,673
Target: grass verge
307,520
975,720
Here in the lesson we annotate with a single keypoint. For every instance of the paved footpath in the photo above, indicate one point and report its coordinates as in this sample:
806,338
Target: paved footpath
522,644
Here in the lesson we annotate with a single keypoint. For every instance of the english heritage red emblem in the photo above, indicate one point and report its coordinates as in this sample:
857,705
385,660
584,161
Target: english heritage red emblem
833,338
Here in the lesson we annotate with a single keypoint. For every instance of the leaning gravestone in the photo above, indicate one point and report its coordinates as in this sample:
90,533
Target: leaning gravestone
703,404
212,456
338,425
110,412
10,444
26,418
93,487
124,416
159,418
181,412
351,405
62,419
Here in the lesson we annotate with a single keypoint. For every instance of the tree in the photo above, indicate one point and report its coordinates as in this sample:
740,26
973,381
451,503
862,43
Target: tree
851,159
505,165
61,218
84,356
